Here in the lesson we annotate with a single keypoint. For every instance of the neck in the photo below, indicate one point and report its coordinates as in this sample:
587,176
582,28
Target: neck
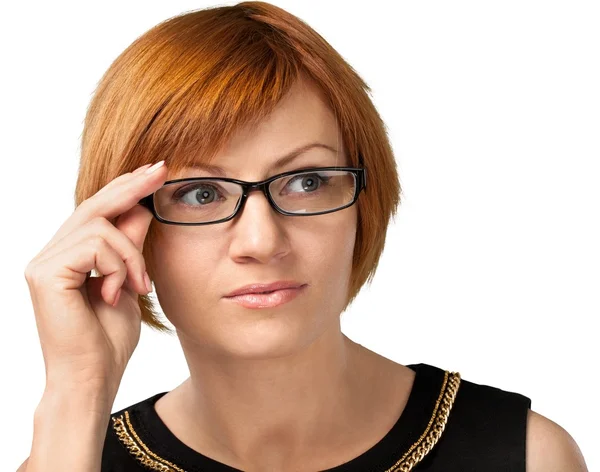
275,412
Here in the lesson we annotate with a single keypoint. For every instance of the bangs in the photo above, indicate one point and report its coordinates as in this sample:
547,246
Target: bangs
196,97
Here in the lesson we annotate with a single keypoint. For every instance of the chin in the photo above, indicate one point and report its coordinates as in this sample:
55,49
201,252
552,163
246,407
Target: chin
266,336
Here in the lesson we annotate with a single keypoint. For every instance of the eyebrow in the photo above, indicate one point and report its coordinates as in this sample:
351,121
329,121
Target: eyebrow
278,164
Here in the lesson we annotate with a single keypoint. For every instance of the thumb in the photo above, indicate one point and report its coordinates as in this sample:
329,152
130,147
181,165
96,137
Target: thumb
134,223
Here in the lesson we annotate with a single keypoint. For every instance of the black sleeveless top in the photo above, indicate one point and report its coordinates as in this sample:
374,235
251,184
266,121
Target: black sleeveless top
448,425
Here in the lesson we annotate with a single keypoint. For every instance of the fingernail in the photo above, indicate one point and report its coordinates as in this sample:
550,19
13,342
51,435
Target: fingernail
140,169
117,298
147,282
154,167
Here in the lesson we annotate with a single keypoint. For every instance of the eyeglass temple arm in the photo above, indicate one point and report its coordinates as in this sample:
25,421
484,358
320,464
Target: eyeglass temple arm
364,171
147,202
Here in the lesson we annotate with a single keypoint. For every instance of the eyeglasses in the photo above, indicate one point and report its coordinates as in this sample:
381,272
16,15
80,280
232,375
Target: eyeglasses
207,200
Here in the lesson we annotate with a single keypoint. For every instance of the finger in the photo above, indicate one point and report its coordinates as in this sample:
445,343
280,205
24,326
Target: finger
134,223
123,178
115,200
93,253
120,242
114,271
64,229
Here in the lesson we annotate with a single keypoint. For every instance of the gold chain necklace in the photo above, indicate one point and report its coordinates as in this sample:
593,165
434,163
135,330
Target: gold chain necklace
415,454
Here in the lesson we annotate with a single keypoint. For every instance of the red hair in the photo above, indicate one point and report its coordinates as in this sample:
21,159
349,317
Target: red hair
189,82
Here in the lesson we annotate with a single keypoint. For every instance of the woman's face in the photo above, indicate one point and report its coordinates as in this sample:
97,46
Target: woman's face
196,266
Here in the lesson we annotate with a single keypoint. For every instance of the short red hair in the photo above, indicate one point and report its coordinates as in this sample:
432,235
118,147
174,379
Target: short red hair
189,82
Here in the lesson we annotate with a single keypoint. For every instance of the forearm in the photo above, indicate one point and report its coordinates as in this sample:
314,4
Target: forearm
68,433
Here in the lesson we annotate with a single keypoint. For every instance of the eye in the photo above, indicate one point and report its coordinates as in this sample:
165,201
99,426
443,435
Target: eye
197,195
308,182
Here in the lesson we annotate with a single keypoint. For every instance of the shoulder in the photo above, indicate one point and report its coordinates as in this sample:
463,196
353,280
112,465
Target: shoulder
550,448
485,428
501,420
119,450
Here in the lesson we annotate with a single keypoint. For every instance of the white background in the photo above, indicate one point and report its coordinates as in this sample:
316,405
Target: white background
492,265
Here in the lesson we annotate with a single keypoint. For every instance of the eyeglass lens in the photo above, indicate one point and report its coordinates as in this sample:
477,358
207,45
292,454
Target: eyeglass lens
204,201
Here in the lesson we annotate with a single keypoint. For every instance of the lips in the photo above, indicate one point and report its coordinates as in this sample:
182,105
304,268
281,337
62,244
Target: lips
258,288
266,300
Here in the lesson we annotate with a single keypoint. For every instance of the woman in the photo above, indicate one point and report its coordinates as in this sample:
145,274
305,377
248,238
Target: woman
193,117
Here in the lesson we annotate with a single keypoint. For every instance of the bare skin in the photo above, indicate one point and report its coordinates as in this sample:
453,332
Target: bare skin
279,388
353,410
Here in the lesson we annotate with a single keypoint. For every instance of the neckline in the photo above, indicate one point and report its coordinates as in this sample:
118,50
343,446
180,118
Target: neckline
156,437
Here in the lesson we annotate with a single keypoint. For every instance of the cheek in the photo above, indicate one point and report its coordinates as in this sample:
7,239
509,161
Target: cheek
346,249
331,253
186,265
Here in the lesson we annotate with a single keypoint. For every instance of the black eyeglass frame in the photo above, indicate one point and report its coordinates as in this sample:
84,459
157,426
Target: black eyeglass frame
360,177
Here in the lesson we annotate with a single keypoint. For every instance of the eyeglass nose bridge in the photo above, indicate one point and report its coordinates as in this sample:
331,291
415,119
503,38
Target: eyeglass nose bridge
249,187
256,186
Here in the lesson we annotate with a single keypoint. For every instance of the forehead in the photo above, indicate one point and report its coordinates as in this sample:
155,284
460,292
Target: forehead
309,151
301,130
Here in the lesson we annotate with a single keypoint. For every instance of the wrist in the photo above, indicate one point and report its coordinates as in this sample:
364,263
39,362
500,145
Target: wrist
73,401
69,430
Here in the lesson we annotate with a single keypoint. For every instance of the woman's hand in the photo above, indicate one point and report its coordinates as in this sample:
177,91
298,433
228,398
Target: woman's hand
90,326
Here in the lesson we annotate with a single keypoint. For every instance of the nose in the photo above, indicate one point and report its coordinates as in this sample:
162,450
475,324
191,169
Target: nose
257,231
